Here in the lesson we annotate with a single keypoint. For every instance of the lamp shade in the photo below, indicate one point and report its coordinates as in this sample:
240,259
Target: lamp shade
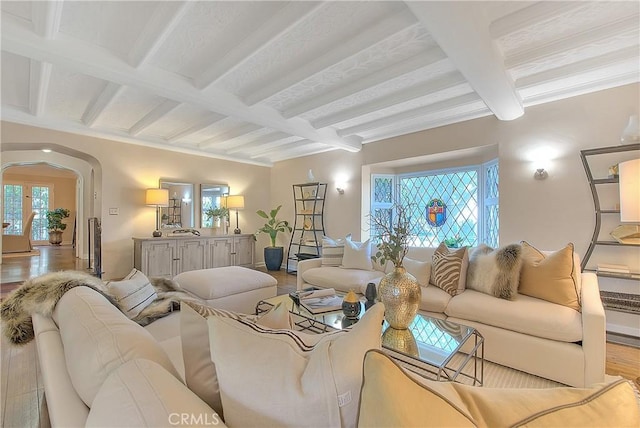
235,202
157,197
629,173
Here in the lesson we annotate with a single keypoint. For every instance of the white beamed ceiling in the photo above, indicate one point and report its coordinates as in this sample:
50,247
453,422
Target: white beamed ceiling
260,82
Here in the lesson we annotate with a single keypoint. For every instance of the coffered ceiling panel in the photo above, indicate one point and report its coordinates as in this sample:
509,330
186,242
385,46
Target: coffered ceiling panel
260,82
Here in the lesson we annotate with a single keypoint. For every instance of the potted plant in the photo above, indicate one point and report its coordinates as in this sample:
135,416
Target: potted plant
216,215
398,290
55,224
273,255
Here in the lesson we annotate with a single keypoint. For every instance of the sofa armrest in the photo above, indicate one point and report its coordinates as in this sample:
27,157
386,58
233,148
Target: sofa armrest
303,266
594,330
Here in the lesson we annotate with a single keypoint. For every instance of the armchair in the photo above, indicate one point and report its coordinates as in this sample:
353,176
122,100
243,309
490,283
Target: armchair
19,243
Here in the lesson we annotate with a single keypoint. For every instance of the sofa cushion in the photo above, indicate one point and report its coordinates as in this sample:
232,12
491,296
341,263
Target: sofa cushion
391,397
357,255
140,393
524,314
434,299
420,270
550,276
341,279
332,251
133,293
98,338
288,378
449,269
200,371
495,272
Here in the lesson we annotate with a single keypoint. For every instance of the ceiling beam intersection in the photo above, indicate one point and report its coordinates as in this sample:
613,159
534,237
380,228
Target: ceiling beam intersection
472,50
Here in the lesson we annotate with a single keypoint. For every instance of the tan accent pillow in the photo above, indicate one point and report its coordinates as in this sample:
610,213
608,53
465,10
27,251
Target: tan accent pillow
551,277
285,378
199,371
449,269
420,270
391,398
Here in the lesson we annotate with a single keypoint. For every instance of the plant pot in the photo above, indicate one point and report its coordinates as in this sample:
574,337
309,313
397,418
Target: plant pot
273,257
55,237
400,293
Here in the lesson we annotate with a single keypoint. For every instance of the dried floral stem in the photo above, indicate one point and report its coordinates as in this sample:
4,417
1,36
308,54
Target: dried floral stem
392,237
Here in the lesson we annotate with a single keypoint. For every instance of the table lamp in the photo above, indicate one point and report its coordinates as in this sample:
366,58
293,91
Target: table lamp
157,198
235,202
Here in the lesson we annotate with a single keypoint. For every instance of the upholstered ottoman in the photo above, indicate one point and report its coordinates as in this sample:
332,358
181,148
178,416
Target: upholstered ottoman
233,288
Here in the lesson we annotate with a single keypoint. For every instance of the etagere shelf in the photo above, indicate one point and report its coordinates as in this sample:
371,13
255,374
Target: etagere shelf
308,227
599,212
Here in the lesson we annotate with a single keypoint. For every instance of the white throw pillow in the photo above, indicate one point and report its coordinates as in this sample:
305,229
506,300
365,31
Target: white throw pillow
288,378
333,250
420,270
133,293
357,255
199,370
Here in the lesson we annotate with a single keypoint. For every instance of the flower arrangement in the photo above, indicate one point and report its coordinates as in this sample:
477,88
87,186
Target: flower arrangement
392,236
273,226
453,242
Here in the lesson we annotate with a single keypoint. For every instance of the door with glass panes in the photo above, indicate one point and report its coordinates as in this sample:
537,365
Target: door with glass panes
20,200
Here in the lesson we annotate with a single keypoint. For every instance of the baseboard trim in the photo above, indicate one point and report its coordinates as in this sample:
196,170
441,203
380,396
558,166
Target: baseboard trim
623,339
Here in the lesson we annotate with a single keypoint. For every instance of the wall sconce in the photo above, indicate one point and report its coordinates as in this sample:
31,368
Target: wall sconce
157,198
340,190
235,202
540,174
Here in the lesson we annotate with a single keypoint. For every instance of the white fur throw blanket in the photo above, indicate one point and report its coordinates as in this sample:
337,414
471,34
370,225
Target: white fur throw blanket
41,294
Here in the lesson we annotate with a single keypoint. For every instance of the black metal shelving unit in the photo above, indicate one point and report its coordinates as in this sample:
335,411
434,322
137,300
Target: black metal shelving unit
308,227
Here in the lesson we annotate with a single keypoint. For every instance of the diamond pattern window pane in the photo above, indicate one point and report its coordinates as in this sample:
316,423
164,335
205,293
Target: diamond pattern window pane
492,217
492,190
459,191
383,190
39,205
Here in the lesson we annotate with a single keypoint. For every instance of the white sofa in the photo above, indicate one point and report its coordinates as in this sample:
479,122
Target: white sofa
101,369
528,334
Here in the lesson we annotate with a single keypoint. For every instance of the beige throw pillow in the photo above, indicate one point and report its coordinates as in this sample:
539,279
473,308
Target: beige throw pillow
133,293
420,270
199,369
495,272
391,398
285,378
449,269
332,251
357,255
551,277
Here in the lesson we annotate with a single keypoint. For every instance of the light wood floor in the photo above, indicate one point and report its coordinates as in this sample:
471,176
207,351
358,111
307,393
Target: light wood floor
22,402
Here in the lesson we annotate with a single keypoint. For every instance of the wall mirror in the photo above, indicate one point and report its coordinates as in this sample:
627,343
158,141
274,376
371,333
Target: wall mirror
180,213
211,195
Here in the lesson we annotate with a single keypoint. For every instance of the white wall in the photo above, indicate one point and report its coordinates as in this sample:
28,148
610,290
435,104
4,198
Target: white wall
127,170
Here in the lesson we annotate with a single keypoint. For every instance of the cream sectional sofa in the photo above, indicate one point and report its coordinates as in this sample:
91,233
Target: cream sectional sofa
528,334
101,369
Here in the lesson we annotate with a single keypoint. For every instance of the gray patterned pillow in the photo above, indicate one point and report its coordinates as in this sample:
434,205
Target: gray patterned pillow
332,251
449,269
495,272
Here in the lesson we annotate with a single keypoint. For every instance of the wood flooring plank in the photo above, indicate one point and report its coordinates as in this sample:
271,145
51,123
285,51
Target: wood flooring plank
22,411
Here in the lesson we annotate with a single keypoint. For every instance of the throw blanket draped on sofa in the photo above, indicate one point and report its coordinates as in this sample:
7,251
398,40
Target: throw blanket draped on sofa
41,294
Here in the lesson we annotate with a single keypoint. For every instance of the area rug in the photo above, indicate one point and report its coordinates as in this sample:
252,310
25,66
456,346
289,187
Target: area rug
18,255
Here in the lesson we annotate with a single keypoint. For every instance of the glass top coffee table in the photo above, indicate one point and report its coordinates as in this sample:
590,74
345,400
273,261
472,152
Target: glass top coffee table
431,347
